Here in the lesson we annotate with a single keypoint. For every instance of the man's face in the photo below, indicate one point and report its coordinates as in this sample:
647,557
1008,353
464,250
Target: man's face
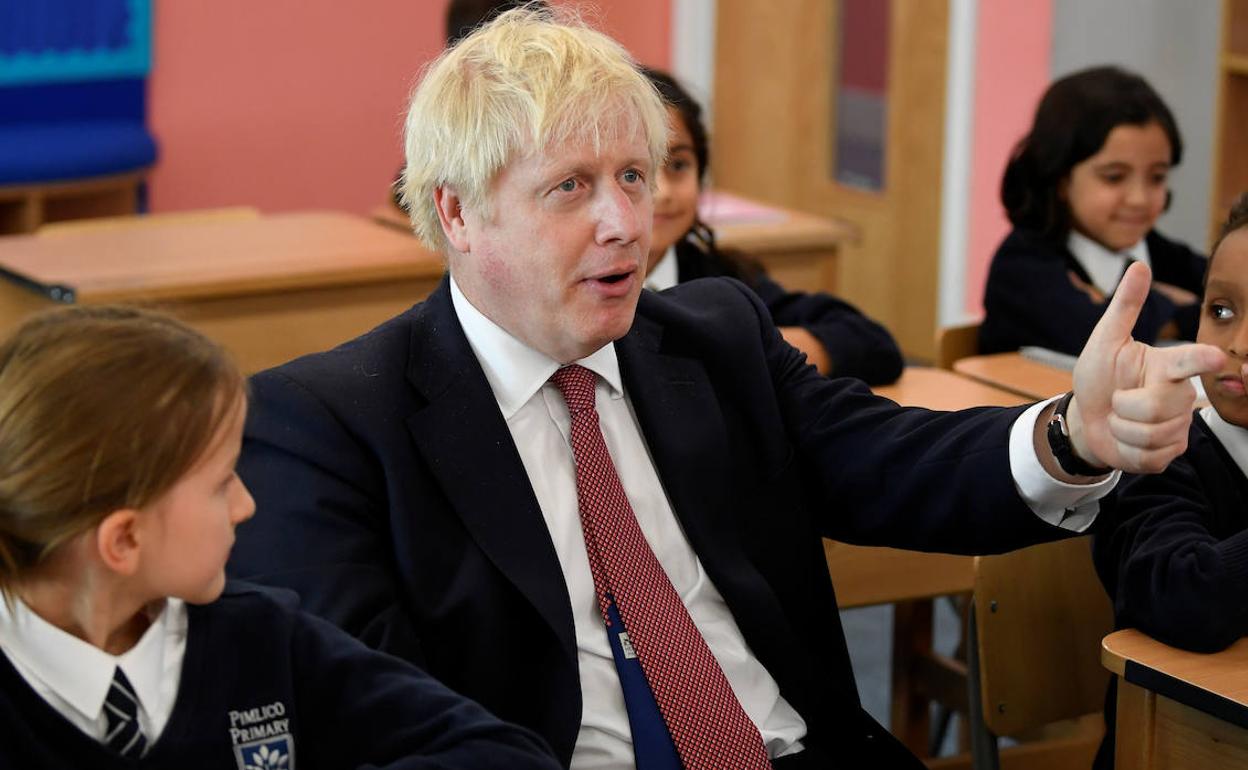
559,263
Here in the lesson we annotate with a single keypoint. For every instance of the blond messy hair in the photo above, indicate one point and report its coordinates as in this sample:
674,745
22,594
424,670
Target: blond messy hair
531,80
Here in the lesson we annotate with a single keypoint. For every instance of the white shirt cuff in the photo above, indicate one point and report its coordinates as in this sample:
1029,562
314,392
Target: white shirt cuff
1069,506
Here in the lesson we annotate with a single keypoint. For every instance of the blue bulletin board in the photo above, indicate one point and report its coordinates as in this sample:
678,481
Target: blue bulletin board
45,41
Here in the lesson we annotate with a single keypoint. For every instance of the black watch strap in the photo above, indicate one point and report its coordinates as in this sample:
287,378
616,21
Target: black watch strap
1059,443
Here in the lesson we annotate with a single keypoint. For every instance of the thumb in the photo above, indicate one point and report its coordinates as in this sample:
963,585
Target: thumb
1116,324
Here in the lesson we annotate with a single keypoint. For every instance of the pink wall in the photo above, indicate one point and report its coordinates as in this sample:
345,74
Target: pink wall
1012,65
297,104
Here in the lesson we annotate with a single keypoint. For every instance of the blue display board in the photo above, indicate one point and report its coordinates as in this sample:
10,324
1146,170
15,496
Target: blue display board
47,41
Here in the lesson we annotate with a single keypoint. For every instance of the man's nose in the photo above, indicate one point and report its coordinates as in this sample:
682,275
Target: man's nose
618,217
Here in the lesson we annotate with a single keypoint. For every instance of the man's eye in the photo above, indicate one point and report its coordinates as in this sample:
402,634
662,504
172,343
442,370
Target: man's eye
567,185
1221,312
632,176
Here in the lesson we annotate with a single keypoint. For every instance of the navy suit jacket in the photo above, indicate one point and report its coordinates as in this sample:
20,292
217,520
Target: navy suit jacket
391,497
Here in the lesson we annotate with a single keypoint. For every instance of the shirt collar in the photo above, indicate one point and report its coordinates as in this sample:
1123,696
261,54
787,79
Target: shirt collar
514,370
1234,438
666,273
1103,266
82,673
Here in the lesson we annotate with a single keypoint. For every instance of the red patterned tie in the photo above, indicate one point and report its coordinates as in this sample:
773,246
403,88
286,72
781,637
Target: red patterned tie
710,729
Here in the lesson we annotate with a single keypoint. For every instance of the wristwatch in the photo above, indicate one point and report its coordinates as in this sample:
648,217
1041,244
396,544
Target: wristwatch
1059,443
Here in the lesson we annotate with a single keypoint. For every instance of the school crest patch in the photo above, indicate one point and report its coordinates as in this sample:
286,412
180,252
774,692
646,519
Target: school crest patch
267,754
262,738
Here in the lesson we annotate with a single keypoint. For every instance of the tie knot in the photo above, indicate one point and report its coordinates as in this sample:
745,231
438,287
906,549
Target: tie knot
576,383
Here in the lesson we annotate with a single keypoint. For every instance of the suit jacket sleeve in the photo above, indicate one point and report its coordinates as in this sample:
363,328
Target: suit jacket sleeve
1030,300
312,474
858,346
880,474
362,708
1167,570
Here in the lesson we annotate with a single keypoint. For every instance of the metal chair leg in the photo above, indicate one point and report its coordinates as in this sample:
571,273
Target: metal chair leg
984,752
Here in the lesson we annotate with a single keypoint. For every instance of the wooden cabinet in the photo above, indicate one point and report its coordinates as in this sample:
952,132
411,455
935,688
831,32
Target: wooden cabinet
1230,151
24,207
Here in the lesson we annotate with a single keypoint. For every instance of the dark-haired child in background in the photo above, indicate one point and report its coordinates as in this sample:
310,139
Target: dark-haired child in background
1083,190
836,338
1174,551
120,644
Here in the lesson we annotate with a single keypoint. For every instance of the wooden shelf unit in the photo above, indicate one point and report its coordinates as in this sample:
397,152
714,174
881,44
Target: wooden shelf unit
1230,149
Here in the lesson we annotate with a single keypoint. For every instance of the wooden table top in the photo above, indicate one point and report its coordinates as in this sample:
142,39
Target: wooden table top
1214,683
758,228
941,389
189,259
752,227
1013,372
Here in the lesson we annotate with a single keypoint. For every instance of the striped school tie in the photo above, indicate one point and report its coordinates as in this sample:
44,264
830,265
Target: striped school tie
121,711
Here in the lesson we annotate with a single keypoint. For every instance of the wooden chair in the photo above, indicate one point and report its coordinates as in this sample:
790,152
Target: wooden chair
954,342
910,581
1037,620
70,227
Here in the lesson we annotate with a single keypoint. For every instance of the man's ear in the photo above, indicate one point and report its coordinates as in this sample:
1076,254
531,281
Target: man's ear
451,215
117,541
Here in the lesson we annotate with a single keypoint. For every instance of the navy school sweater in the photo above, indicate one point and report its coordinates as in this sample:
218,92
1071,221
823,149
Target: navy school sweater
1172,552
265,686
1030,300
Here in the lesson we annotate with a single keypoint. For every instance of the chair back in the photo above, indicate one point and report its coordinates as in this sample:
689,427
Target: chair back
954,342
95,224
1040,614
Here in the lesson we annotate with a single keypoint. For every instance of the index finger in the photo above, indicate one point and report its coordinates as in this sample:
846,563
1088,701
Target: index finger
1182,362
1119,318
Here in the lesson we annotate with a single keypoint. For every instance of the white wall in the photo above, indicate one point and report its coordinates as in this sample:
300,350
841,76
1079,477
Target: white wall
1174,45
693,49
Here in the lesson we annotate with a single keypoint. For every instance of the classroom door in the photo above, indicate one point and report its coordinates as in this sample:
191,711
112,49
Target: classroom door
837,107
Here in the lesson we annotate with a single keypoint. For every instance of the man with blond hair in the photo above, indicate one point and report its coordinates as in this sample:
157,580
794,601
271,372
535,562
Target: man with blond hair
598,511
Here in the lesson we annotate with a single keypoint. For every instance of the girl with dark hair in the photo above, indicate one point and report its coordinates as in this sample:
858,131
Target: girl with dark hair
1083,190
836,338
1173,551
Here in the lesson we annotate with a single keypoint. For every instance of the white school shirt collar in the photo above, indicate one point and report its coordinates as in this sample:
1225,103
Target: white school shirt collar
666,273
1234,438
1103,266
516,371
81,673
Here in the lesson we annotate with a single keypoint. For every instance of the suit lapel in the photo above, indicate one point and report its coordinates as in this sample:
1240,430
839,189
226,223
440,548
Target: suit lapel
468,448
678,413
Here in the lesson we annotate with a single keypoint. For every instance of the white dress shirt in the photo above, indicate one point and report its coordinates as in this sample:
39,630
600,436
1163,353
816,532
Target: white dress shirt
665,274
1103,266
74,677
538,420
1234,438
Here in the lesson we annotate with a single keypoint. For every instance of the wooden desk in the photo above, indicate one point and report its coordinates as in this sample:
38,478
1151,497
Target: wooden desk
865,575
1178,709
269,289
1012,372
799,250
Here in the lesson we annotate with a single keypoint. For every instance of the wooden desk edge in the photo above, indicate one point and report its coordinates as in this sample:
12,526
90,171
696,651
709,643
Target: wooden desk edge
1110,657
